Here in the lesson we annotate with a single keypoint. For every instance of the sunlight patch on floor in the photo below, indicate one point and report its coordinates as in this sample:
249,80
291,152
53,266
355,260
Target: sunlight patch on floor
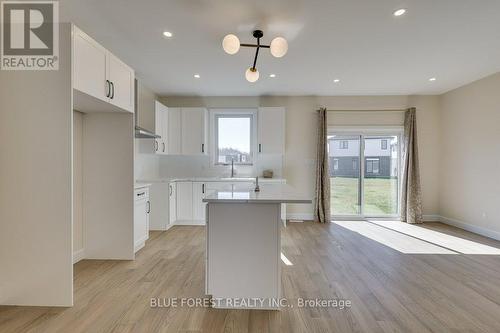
415,239
454,243
393,239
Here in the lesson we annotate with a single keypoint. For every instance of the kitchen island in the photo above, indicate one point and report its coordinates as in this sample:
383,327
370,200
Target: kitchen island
243,253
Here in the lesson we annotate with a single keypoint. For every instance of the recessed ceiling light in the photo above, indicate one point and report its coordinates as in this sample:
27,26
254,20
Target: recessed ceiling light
432,79
167,34
272,75
399,12
336,80
197,76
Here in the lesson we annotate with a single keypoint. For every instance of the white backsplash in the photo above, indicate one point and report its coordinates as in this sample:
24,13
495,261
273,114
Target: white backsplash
202,166
146,166
150,166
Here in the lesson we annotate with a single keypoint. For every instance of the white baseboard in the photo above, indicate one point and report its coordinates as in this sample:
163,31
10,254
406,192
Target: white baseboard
470,227
78,255
139,244
296,217
431,218
189,222
163,228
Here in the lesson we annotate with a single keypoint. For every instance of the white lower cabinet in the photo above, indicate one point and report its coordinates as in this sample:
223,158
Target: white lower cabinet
198,204
184,202
161,196
186,199
172,203
142,208
190,207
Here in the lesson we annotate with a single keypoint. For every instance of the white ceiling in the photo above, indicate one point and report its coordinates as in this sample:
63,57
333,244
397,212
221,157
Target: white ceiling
358,41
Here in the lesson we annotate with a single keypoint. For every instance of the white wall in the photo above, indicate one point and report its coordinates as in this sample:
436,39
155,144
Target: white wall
77,183
108,185
36,121
301,122
470,162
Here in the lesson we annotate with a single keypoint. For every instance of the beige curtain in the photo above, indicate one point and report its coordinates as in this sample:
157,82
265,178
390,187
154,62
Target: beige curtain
322,198
411,195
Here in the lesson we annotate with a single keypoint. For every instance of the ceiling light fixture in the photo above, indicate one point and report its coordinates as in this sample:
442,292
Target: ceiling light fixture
167,34
272,75
399,12
336,80
278,47
432,79
197,76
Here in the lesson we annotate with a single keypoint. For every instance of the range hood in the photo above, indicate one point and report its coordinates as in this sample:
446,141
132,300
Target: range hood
140,132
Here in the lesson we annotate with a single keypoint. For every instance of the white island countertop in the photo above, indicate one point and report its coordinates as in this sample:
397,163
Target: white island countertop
279,193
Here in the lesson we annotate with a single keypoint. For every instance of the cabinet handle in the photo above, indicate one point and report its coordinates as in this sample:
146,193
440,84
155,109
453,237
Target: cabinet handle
170,190
260,147
141,194
108,88
163,143
202,147
203,188
156,145
149,207
112,89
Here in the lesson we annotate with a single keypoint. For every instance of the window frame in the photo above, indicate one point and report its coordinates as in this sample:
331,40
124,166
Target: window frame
383,142
370,161
342,146
216,114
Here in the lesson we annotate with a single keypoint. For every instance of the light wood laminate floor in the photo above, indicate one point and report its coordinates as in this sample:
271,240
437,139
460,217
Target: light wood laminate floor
398,280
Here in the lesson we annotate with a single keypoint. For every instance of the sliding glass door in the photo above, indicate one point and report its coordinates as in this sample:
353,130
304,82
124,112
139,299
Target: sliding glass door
364,173
345,176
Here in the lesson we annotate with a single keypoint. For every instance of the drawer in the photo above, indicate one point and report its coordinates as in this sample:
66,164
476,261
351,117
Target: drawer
141,194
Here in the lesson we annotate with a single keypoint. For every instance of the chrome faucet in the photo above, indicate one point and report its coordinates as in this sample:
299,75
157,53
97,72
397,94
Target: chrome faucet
257,188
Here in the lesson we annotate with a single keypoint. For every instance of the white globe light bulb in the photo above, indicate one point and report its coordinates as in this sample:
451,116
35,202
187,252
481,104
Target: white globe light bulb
231,44
279,47
252,74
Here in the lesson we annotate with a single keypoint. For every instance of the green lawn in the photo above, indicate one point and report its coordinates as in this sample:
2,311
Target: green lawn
380,196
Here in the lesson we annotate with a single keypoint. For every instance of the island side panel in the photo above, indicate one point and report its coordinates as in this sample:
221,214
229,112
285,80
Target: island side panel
243,250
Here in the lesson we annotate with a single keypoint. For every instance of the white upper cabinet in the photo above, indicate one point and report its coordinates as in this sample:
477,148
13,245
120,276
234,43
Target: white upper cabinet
89,66
164,133
194,131
161,128
158,146
121,80
174,131
102,82
158,128
271,130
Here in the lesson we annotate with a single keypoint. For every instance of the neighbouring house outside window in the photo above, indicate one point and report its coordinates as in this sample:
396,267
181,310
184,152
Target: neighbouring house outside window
233,138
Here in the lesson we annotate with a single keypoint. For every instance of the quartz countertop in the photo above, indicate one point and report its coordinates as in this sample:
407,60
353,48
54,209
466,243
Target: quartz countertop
141,184
278,193
212,179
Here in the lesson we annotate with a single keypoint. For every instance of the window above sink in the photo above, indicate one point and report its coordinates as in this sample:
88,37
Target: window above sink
234,136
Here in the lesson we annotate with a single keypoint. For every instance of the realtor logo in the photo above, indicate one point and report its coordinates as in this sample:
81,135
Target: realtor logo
30,35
